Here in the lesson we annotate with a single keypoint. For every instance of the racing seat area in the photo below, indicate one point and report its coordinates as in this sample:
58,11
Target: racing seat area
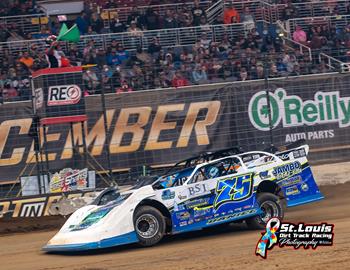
174,180
221,168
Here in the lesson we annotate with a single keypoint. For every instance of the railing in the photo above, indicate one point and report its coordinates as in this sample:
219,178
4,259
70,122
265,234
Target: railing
167,38
297,46
215,10
306,9
288,27
273,12
123,13
329,56
316,9
283,28
48,1
262,10
25,23
257,8
334,64
327,21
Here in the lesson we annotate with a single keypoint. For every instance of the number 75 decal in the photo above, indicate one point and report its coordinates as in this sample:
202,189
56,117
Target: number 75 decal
233,189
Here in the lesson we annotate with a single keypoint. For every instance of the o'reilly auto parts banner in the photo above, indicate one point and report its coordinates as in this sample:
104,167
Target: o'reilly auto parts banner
162,127
313,108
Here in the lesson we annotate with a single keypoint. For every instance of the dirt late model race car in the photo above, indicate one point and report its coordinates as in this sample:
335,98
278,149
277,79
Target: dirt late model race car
222,188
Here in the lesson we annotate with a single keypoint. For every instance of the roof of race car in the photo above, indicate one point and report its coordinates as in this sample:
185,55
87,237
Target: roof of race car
209,156
205,157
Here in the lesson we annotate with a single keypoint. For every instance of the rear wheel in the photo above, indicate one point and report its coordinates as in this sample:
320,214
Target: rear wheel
149,225
271,206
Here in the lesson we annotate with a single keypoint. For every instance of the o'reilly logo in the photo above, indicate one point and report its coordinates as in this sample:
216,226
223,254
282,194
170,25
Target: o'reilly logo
326,107
63,95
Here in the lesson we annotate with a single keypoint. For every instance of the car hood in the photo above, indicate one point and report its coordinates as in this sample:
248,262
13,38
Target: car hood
93,225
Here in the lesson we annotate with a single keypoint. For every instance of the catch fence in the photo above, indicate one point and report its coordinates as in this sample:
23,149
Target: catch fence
145,132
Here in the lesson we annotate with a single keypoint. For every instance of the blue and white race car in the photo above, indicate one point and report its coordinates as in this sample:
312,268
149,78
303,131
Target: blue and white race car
208,190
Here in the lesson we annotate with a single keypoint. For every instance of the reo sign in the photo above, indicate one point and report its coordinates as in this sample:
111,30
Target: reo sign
63,95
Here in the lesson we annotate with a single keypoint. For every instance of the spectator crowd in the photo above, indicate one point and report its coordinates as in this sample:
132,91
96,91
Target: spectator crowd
230,58
18,7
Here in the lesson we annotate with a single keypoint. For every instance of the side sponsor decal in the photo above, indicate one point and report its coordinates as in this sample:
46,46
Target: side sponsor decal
229,199
293,190
290,181
231,216
264,175
197,189
168,194
198,203
287,170
233,189
183,215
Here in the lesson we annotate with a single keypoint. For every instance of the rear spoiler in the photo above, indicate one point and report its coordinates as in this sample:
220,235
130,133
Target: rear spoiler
283,152
297,152
273,149
293,145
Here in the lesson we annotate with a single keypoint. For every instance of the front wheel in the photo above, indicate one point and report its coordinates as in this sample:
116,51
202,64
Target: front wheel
271,206
149,225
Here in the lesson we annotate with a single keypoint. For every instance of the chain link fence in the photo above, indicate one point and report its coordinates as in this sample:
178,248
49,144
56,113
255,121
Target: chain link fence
147,131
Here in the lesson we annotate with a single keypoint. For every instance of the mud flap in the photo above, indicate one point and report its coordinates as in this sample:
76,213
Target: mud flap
301,188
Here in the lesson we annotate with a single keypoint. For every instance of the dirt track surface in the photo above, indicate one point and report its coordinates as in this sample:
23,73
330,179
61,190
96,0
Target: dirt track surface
336,173
218,249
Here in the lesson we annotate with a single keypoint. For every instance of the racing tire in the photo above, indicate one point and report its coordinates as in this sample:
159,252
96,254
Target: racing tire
149,225
271,205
